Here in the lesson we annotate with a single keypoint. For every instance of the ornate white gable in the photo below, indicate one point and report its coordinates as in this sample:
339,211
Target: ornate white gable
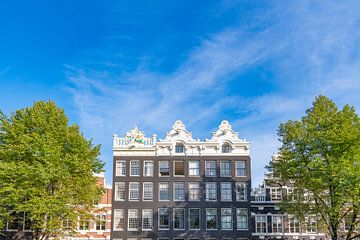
224,133
178,132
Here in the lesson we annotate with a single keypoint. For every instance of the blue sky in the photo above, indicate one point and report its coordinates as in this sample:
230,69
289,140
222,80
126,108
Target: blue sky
113,65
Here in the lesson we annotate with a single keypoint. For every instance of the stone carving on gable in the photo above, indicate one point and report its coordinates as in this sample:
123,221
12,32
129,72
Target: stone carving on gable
135,136
224,132
178,132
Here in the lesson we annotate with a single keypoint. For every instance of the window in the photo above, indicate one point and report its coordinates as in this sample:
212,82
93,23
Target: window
179,168
164,168
148,168
164,218
311,225
194,191
120,168
119,220
240,168
194,218
260,223
276,194
194,168
133,219
179,148
148,190
134,191
164,191
225,189
241,219
135,168
226,218
100,221
294,225
225,148
210,191
210,168
225,169
147,219
277,224
179,191
211,222
179,218
83,224
240,191
119,191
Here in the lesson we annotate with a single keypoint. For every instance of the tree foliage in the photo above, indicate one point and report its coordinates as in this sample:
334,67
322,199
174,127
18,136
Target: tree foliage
46,170
320,156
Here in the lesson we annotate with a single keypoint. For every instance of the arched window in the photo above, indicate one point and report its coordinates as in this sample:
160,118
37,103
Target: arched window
179,148
226,148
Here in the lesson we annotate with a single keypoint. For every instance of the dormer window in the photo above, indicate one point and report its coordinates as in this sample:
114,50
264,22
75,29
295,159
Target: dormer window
179,148
226,148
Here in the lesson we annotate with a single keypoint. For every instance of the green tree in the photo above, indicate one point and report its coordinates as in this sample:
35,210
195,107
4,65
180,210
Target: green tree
46,170
320,156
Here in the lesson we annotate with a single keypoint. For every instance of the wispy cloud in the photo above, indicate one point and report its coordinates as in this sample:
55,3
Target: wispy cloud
310,48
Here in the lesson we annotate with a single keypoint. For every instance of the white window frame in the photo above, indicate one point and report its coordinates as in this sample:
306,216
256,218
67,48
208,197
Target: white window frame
138,190
292,221
189,218
276,193
211,169
221,192
123,189
145,174
237,193
194,169
266,224
245,210
118,215
221,217
152,191
168,164
174,210
146,211
169,216
118,172
207,189
198,191
230,169
174,165
174,192
238,173
131,165
168,190
277,223
137,214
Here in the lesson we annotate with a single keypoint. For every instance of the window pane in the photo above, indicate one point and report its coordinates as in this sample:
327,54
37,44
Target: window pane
148,168
147,219
164,191
225,168
277,222
194,191
134,190
119,191
226,191
164,218
226,218
194,168
120,168
148,191
133,219
241,191
135,168
164,168
210,168
211,191
179,218
241,219
194,217
179,169
211,222
241,168
119,220
226,148
179,148
260,222
179,191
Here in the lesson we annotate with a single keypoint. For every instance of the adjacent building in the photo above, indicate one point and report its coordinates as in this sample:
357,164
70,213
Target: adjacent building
180,187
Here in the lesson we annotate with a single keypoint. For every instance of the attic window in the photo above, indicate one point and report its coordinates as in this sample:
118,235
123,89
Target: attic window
179,148
226,148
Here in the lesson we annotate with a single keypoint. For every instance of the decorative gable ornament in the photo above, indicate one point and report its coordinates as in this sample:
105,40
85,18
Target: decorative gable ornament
178,132
224,132
135,136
